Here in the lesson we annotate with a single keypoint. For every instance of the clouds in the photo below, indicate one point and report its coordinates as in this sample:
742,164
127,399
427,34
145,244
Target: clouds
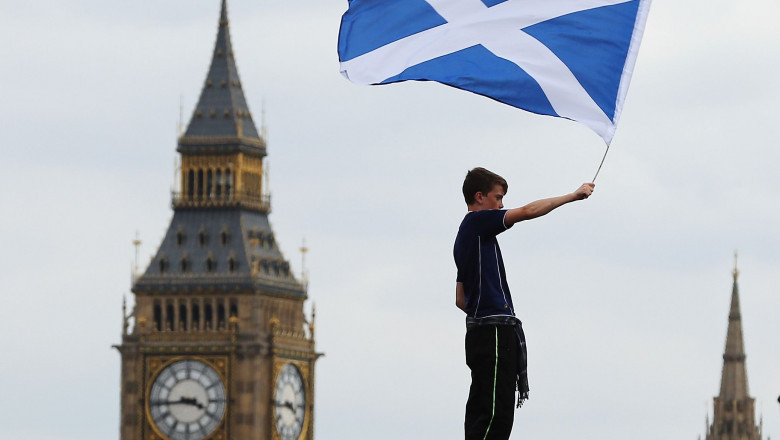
624,296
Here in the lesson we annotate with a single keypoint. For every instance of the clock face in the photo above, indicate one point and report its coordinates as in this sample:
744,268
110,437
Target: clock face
289,403
187,400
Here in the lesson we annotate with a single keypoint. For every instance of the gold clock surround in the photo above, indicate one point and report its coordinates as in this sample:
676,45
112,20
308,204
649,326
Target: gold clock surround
156,364
303,369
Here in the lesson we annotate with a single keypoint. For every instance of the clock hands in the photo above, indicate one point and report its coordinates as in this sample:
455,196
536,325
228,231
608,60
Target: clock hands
191,401
285,404
182,401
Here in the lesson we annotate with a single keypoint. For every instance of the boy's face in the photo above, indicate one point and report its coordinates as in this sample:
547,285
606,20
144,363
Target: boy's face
492,200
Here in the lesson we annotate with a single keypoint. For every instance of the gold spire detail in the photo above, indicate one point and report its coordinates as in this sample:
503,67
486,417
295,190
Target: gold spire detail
134,273
304,273
735,272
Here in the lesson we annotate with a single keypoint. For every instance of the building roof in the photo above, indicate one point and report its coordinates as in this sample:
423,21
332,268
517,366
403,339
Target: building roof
225,250
212,246
222,120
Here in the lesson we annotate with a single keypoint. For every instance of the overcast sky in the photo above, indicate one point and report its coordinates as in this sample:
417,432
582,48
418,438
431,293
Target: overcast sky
624,297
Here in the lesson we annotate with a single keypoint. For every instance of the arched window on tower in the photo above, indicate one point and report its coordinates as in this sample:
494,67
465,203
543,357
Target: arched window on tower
211,263
233,314
184,265
219,183
169,317
209,184
181,237
233,308
208,315
195,316
157,317
220,316
228,183
182,317
190,185
163,264
200,184
232,264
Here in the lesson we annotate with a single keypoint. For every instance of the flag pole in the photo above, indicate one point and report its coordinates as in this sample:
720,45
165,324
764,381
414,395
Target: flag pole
602,163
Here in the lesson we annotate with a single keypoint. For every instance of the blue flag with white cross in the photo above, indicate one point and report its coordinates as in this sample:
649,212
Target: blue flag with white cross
565,58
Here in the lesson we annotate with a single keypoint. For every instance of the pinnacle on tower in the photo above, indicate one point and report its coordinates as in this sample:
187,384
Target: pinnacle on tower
221,121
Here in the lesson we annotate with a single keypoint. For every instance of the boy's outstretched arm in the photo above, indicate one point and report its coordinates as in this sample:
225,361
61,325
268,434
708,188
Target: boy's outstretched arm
544,206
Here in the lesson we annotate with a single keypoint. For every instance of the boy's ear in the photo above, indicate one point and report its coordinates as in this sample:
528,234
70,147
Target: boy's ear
478,197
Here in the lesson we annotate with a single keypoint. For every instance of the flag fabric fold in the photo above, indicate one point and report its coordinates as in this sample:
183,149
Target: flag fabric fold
565,58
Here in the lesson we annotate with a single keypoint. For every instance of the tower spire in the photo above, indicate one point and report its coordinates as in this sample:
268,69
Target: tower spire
734,409
221,120
734,376
223,13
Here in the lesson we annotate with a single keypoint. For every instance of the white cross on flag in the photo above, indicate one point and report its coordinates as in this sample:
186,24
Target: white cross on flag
564,58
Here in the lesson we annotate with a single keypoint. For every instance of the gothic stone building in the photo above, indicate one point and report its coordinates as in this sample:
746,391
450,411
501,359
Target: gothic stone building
220,347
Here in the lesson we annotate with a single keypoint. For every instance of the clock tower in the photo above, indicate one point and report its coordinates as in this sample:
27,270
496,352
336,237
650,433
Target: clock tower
219,346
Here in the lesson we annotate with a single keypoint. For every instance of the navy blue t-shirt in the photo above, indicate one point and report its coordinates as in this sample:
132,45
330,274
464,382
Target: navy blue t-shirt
480,265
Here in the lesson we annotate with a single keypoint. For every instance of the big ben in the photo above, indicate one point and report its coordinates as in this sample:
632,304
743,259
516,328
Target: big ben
220,347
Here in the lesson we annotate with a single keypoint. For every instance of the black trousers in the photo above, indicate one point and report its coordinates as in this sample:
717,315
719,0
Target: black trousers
491,354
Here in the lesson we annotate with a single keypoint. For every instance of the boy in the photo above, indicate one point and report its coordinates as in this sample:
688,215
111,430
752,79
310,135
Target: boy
495,343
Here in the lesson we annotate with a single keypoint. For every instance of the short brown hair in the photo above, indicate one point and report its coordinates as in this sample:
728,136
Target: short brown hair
481,180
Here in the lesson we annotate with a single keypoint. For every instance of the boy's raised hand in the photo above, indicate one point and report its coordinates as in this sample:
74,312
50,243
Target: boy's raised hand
584,191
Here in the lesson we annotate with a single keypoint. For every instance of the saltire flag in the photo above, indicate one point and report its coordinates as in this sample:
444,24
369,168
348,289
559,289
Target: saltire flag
566,58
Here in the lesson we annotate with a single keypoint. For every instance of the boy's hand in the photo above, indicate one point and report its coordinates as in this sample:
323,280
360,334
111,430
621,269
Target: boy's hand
584,191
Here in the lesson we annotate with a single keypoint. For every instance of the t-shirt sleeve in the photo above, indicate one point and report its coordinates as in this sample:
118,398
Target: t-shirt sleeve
490,221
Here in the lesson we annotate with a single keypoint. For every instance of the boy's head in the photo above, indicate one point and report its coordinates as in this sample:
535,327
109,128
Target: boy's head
482,181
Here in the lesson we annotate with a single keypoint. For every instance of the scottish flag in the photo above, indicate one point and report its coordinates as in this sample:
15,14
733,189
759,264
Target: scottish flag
565,58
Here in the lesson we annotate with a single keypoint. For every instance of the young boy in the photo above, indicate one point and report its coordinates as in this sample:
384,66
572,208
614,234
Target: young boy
495,343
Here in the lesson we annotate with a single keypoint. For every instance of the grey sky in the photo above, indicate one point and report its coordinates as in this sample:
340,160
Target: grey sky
624,296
